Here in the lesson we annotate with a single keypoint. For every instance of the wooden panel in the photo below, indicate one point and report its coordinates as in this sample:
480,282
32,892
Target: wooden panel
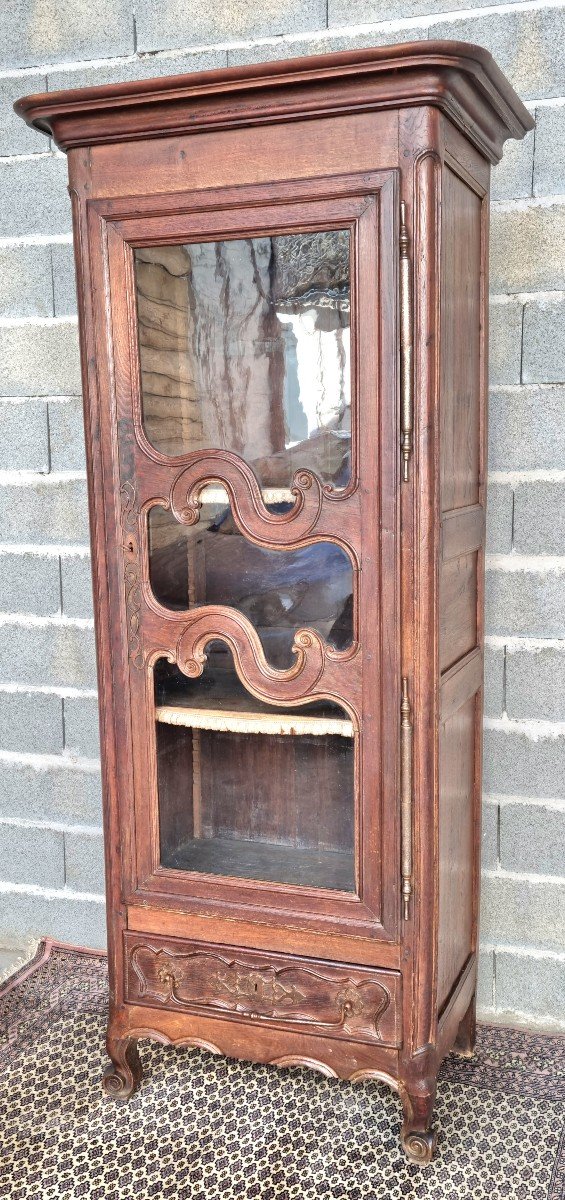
458,609
462,530
339,1001
164,916
456,846
460,683
461,343
222,158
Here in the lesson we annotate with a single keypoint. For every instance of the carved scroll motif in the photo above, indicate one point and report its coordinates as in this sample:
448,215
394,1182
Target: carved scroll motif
292,993
132,581
250,513
218,622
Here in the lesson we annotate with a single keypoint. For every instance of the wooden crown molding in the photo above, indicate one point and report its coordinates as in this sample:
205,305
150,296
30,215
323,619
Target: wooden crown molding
460,79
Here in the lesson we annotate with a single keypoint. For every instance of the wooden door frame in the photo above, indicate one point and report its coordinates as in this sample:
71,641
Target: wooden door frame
367,203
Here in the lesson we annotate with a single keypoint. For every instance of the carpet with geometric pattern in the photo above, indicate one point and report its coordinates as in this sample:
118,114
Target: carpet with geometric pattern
204,1127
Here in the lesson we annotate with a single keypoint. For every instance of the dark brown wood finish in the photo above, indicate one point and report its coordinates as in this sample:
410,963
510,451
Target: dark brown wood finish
343,978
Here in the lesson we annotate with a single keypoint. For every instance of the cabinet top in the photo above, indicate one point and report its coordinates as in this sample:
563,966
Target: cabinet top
461,79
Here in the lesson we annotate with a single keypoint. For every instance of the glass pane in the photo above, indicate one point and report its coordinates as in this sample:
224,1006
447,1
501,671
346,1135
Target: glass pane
249,790
278,591
244,346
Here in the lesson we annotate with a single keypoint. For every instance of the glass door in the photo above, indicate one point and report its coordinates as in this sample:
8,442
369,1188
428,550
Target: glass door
255,387
244,347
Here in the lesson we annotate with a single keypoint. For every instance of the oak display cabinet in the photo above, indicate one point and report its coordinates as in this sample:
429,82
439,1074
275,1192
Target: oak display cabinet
283,322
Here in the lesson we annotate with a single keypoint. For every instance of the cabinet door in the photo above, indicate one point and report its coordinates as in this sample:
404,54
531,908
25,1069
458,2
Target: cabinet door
253,400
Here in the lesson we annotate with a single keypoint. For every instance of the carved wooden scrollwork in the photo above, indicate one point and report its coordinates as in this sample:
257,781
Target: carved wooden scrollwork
132,578
228,625
203,978
250,513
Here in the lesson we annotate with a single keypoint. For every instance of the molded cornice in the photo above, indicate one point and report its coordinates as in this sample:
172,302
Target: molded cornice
462,80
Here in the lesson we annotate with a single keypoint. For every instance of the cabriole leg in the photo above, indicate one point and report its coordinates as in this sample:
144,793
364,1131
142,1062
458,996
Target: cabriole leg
464,1044
123,1074
417,1137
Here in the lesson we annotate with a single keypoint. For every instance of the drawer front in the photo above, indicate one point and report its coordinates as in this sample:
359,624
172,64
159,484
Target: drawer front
358,1003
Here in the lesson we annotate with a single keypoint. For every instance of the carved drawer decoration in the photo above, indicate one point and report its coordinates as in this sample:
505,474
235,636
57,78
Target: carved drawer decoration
342,1001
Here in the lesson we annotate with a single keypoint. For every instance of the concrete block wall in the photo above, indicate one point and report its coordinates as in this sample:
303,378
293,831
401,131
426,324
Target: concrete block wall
51,848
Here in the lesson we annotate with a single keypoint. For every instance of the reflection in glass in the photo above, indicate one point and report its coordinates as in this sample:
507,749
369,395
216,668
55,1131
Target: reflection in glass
250,790
278,591
244,346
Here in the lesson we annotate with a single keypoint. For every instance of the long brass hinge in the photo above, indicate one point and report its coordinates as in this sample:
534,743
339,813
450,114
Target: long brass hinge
406,405
406,795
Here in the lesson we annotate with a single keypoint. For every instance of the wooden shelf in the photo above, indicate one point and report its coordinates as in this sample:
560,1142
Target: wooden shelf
265,861
274,723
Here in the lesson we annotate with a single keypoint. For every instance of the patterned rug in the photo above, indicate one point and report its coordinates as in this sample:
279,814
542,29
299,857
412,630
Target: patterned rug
203,1127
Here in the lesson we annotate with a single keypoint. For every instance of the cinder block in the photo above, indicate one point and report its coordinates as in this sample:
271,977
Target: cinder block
499,518
40,34
40,359
52,655
494,680
532,838
523,912
24,444
15,136
77,922
76,579
525,44
535,683
44,512
300,47
50,794
33,196
357,12
174,24
31,723
512,177
528,249
539,518
527,428
29,855
64,280
82,734
549,163
544,341
29,583
489,842
518,765
485,982
149,67
532,985
84,862
66,435
525,603
26,287
505,342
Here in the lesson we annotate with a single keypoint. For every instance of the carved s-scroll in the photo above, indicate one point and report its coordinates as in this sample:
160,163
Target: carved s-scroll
218,622
250,513
132,580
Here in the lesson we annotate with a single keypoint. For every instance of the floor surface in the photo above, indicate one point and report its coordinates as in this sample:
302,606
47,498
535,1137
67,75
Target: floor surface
203,1127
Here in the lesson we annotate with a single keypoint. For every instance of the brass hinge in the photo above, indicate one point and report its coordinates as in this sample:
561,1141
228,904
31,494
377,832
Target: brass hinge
406,405
406,795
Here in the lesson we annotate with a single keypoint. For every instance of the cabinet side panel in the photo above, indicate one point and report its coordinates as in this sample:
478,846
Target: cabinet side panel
460,338
458,608
456,840
462,500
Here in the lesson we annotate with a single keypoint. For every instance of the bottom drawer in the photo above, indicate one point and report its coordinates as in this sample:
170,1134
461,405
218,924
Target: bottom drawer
339,1000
